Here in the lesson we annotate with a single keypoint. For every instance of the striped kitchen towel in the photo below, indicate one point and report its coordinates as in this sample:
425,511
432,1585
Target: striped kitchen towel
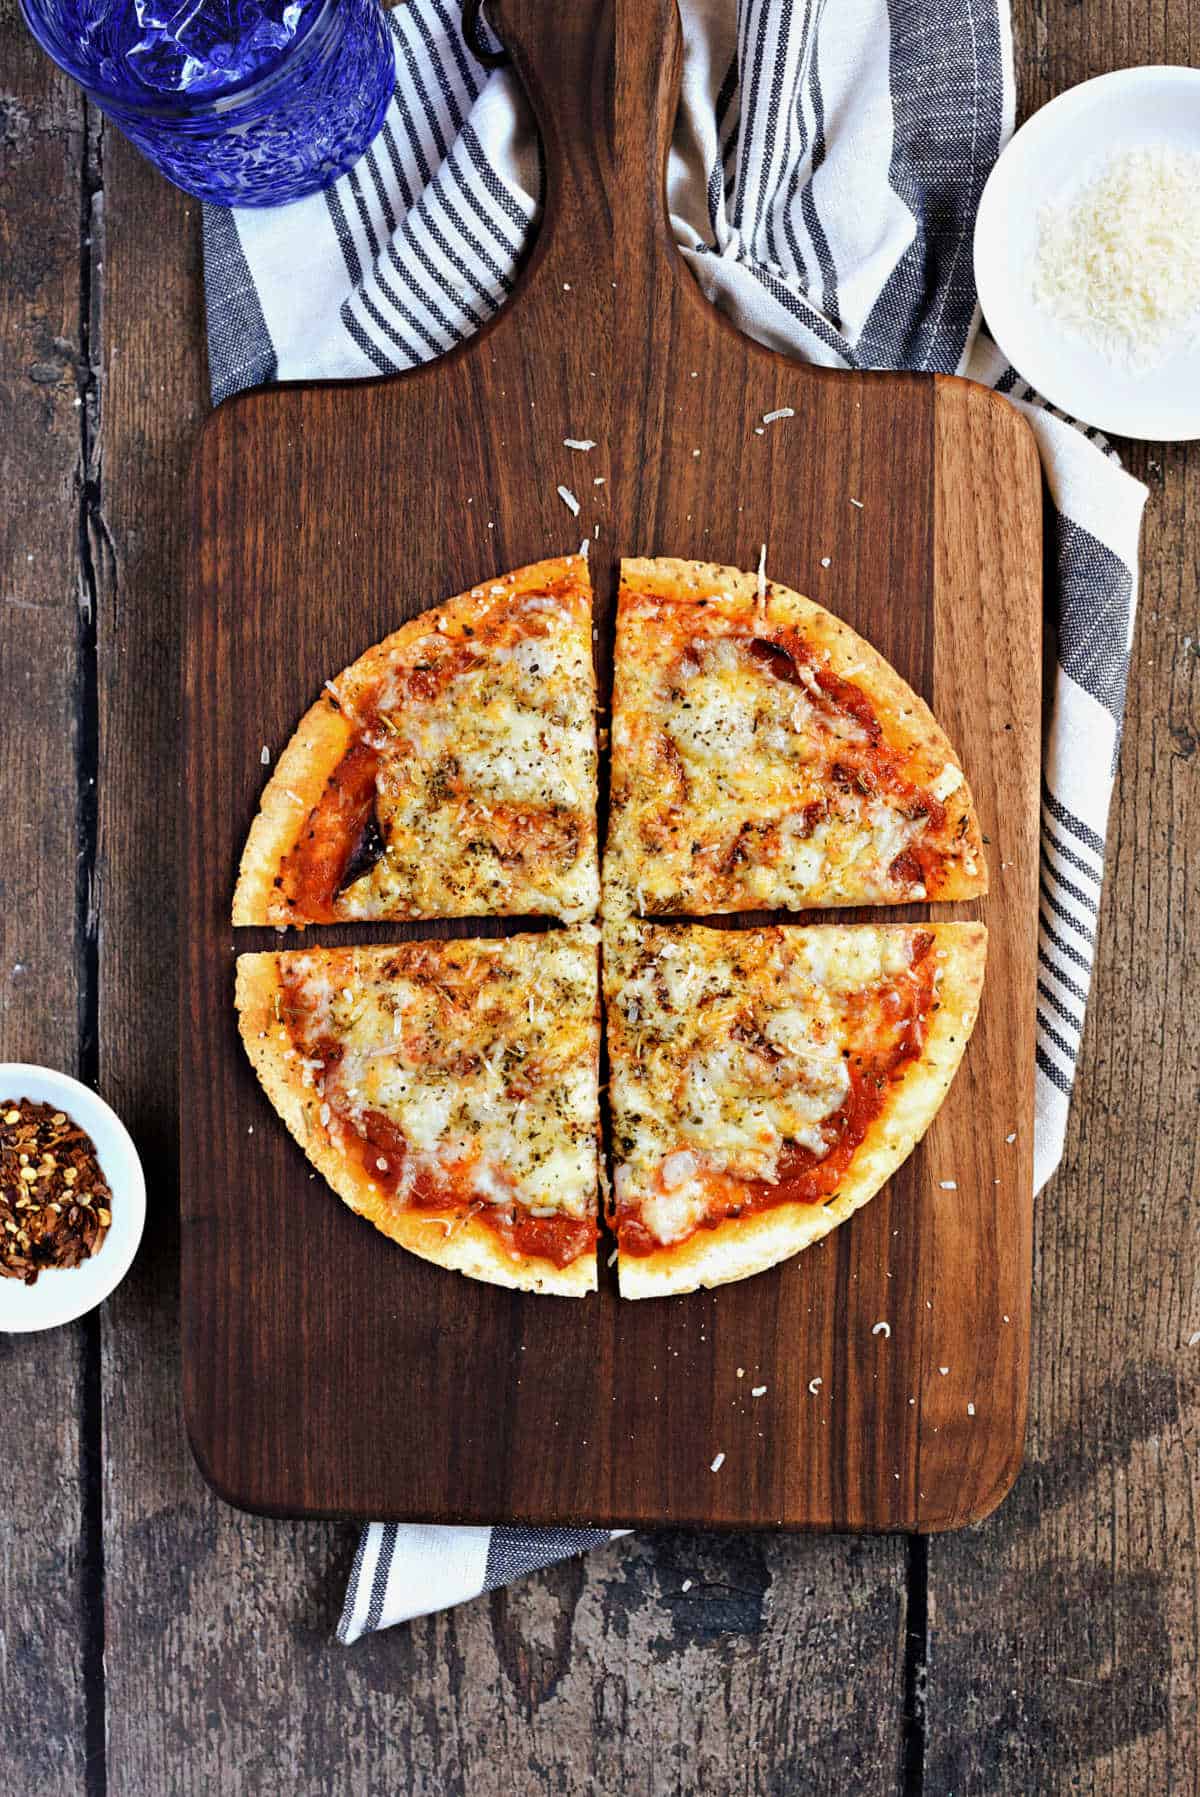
827,165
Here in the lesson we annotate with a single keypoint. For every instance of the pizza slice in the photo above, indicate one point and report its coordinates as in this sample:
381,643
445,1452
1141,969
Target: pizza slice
765,756
451,771
766,1082
448,1091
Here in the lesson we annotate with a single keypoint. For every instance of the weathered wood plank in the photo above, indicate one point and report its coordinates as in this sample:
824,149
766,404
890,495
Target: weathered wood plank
42,1716
1084,1587
1064,1632
775,1669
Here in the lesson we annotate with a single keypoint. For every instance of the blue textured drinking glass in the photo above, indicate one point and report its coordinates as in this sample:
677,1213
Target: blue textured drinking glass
246,102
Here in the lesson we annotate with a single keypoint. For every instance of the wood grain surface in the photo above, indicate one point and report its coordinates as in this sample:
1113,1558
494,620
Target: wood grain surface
325,1374
1051,1650
45,628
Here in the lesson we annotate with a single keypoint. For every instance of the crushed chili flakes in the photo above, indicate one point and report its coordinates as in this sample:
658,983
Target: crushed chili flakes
55,1204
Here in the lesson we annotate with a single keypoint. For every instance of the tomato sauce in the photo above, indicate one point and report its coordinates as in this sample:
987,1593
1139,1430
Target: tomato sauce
801,1177
381,1151
315,870
341,840
878,771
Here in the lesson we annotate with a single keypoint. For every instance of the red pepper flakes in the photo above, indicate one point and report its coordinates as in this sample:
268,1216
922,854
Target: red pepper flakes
55,1204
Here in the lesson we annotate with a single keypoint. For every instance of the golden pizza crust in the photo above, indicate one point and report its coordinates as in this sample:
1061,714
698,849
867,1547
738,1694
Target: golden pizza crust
740,1247
321,742
326,732
462,1245
910,729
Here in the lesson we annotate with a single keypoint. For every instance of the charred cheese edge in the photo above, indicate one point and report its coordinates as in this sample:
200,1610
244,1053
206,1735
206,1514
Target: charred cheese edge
734,788
485,790
725,1045
483,1056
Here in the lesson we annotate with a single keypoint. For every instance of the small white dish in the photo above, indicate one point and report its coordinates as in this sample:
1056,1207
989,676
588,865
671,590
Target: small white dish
1064,144
61,1294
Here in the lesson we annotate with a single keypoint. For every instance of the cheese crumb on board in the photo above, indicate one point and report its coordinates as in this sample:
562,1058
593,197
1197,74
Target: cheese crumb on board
569,500
718,1463
584,443
1118,261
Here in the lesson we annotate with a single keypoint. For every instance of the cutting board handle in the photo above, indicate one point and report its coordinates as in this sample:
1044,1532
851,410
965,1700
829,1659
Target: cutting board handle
563,56
649,58
603,80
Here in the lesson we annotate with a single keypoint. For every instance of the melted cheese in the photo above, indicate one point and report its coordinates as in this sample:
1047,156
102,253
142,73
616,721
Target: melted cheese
737,785
438,1039
485,796
729,1047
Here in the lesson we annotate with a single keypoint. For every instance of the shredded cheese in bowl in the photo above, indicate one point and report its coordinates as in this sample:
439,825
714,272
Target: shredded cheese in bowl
1118,261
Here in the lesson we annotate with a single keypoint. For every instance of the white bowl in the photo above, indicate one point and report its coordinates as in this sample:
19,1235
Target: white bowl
1064,144
61,1294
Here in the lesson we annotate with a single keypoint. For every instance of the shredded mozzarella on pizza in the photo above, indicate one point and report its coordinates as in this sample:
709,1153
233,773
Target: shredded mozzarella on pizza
739,779
731,1050
464,782
486,1089
485,794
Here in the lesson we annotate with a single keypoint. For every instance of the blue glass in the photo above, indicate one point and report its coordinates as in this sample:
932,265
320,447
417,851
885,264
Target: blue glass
246,102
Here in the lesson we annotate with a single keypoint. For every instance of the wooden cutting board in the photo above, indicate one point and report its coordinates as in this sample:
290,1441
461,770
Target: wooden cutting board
325,1371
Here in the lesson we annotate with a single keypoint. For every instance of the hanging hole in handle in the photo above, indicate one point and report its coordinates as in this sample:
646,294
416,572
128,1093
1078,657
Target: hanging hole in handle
476,31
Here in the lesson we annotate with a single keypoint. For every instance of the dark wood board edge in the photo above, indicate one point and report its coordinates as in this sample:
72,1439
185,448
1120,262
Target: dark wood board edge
996,552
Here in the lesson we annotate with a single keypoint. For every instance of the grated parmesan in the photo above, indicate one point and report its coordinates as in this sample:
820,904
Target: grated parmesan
1118,263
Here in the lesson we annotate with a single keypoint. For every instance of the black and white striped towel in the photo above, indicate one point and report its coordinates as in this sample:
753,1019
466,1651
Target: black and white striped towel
826,170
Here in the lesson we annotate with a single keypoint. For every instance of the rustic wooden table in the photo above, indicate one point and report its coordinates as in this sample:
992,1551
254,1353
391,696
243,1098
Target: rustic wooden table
153,1642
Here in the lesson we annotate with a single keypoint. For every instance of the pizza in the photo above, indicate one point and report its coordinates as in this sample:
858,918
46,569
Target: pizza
451,771
765,757
766,1082
448,1091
